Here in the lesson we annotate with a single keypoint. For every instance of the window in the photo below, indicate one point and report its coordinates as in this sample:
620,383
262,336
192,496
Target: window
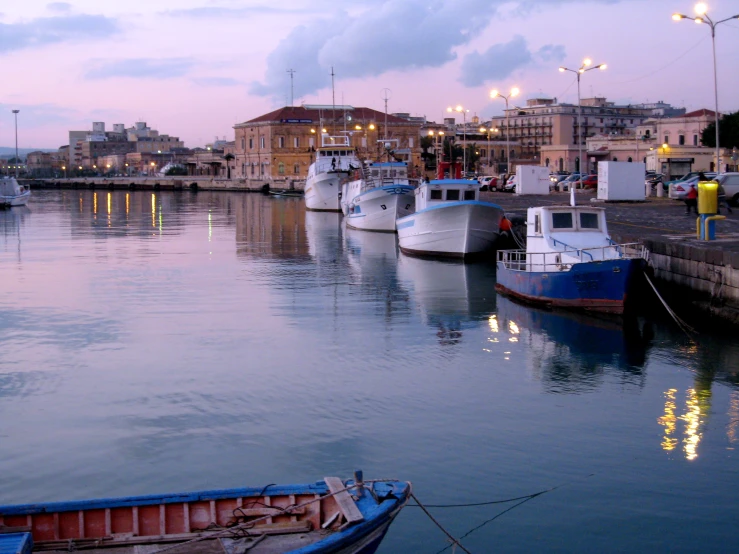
667,139
261,142
243,144
281,168
251,144
410,142
537,224
452,194
469,195
630,160
435,194
296,142
695,140
296,169
562,220
281,142
252,169
588,220
681,140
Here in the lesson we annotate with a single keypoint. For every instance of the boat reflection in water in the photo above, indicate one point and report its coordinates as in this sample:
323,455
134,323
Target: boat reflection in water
573,351
451,295
323,230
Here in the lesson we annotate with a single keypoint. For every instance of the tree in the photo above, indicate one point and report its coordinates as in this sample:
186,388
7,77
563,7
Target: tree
228,157
176,170
473,156
429,158
728,130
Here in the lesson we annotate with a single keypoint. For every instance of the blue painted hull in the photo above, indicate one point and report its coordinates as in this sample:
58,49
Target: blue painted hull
596,286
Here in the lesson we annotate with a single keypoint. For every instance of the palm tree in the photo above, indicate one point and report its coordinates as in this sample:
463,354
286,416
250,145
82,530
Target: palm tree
228,157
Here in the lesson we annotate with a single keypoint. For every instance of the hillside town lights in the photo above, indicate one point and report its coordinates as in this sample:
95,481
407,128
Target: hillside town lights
700,11
496,94
460,109
587,62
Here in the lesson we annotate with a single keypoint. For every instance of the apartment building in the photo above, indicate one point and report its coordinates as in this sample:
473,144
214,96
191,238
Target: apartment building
282,143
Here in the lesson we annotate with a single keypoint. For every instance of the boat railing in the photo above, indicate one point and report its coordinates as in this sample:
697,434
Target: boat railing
572,248
520,260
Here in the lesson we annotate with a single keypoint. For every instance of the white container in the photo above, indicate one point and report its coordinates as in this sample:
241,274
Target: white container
532,179
621,181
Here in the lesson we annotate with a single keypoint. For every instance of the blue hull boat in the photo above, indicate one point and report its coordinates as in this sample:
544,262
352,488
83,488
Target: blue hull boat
330,516
569,261
601,286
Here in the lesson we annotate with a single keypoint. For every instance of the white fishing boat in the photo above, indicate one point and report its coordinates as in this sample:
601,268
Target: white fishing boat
450,221
376,195
335,160
13,194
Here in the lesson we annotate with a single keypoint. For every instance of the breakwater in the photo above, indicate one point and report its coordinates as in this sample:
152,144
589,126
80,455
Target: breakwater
186,182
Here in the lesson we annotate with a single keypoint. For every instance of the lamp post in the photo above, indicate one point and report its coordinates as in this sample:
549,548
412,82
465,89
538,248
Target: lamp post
461,110
15,113
496,94
583,68
702,17
487,131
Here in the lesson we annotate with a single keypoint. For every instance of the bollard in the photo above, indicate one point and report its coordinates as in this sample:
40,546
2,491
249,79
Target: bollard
707,208
660,190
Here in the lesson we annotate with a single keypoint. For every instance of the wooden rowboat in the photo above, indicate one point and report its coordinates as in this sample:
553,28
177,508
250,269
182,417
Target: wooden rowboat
329,516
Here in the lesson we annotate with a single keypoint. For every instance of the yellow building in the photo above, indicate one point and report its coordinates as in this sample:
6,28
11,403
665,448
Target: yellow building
282,143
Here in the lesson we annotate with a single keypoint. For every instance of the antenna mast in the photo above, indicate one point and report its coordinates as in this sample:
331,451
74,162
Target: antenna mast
386,97
292,90
333,97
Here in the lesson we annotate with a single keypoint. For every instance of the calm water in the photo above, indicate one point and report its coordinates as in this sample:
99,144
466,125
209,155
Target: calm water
166,342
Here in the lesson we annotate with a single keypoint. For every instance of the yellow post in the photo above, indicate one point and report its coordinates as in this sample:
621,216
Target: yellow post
707,197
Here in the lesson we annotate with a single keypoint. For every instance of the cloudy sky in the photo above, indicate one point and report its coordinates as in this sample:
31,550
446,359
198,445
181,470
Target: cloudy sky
193,68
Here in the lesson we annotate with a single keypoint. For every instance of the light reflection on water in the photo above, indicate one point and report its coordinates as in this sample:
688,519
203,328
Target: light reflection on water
155,342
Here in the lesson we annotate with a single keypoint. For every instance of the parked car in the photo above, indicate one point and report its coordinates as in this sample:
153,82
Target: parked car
568,181
678,189
488,182
590,181
510,185
730,182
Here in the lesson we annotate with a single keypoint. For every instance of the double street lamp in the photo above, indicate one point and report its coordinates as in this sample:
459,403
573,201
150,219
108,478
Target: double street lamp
496,94
487,131
437,135
461,110
587,62
702,17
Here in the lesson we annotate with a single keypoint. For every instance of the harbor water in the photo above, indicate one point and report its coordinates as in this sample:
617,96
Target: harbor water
161,342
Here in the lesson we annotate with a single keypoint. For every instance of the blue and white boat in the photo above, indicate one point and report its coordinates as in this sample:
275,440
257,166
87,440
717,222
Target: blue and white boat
329,516
377,195
450,221
13,194
570,261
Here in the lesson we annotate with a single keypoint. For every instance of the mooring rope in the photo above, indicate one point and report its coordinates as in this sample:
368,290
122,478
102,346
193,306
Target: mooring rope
455,542
687,329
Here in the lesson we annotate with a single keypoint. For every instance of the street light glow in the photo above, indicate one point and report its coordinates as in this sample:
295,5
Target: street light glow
701,8
676,17
602,66
372,126
561,69
515,91
698,20
586,62
494,93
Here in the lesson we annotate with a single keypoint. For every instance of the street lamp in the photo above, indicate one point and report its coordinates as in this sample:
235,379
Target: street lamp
488,131
15,112
437,135
583,68
700,10
461,110
496,94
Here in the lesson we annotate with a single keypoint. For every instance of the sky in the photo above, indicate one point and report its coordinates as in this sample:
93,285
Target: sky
194,68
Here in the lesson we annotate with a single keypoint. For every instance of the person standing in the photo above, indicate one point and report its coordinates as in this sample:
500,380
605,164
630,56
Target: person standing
691,199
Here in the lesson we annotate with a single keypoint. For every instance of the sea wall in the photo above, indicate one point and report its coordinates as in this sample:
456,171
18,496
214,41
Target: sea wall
169,183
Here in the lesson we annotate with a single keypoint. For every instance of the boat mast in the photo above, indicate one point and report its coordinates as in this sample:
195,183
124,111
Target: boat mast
333,99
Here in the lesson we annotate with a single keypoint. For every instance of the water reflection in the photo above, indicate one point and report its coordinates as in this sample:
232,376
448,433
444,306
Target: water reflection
572,352
451,296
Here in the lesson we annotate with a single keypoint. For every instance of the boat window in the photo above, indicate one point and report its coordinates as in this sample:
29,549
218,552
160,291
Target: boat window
375,172
588,220
435,194
469,195
452,194
537,224
562,220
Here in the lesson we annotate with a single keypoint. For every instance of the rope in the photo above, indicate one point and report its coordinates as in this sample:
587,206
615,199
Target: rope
455,542
687,329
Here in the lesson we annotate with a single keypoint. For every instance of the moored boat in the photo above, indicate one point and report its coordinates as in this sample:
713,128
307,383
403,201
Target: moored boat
335,160
450,221
332,515
377,195
570,261
13,194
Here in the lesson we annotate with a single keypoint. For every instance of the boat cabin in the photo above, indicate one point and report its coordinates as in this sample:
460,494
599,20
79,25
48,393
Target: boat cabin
335,154
442,191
